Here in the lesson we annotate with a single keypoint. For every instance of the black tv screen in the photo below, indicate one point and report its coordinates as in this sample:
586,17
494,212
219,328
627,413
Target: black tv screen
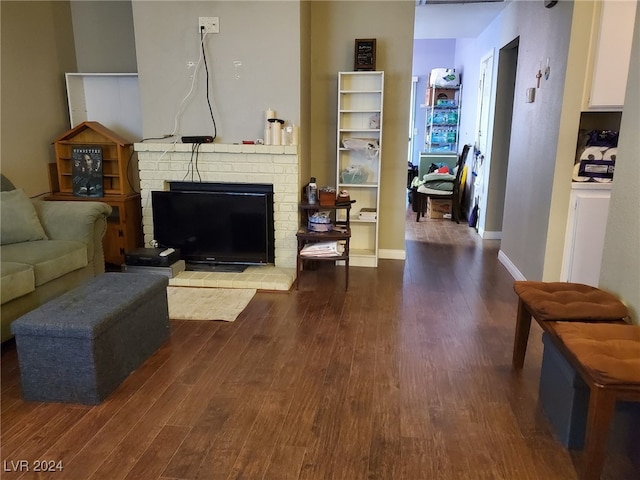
215,227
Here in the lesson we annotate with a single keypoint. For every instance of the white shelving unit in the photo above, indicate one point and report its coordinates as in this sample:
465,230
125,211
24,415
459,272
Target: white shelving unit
442,120
112,99
360,100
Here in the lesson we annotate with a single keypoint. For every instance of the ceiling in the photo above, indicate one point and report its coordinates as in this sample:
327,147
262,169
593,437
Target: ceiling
454,18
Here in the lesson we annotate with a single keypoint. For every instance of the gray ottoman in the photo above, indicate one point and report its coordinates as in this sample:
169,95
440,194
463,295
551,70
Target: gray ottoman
80,346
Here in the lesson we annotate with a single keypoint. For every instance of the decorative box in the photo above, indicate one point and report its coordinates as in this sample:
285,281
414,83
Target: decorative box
327,197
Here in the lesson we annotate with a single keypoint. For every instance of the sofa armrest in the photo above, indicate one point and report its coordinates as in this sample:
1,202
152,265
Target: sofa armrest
80,221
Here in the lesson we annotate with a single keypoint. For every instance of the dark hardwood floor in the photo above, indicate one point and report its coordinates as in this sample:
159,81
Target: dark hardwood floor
405,376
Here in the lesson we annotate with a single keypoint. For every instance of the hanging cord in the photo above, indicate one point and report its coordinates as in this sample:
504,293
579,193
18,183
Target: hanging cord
193,163
196,161
193,83
206,68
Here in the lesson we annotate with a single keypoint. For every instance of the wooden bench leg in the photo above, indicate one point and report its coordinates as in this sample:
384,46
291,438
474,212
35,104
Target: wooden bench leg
523,325
601,408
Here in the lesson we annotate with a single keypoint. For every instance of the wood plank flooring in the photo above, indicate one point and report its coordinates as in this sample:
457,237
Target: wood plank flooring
407,376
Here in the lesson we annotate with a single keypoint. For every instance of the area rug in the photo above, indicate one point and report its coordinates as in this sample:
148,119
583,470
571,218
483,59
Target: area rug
192,303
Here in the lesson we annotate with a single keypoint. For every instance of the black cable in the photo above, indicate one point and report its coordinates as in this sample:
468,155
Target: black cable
156,138
190,165
206,68
198,153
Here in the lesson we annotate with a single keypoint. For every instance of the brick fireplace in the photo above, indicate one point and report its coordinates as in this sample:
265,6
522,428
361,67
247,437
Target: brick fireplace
160,163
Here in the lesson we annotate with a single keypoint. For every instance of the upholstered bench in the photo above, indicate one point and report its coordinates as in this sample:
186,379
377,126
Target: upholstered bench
607,357
560,301
80,346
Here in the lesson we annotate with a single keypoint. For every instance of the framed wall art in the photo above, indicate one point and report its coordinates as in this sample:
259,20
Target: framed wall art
365,54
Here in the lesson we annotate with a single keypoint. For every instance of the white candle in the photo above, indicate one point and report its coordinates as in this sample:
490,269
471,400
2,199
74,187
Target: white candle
276,129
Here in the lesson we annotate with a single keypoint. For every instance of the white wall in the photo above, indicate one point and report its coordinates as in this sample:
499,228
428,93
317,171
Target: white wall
254,64
620,271
37,49
103,34
428,54
543,33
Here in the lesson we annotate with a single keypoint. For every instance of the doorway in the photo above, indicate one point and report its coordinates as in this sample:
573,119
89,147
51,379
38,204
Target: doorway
497,159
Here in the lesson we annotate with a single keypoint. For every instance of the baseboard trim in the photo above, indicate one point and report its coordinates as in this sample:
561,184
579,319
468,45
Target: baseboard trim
488,235
511,268
392,254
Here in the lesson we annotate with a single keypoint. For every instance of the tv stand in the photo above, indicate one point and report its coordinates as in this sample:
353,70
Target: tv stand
216,267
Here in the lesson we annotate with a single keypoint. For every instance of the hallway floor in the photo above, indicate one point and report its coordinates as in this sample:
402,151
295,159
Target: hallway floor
405,376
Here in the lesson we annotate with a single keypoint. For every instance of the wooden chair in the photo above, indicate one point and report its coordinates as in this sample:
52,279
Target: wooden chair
455,195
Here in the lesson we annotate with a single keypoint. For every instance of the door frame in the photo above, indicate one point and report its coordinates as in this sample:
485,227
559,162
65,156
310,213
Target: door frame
482,141
412,119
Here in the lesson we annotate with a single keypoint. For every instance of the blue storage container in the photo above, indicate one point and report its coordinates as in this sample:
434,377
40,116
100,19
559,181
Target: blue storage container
564,396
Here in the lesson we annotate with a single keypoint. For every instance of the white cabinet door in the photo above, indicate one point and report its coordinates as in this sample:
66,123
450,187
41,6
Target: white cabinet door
613,51
586,229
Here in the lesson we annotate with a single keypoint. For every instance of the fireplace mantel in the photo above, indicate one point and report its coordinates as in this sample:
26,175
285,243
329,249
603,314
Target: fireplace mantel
162,147
159,163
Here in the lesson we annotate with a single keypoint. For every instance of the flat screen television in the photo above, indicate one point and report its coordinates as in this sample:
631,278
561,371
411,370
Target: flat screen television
216,223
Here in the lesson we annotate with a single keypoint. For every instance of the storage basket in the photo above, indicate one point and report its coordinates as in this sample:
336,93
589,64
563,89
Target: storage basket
354,176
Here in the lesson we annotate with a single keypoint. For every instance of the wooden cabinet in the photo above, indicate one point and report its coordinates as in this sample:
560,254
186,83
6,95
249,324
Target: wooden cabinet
586,228
359,151
341,233
124,225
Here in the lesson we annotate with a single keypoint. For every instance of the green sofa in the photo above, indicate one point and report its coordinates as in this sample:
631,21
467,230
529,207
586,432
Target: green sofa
47,248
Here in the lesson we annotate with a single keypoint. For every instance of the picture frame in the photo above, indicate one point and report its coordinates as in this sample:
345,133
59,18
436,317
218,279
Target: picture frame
87,171
365,54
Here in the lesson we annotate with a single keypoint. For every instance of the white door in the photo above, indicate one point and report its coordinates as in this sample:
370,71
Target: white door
412,119
480,167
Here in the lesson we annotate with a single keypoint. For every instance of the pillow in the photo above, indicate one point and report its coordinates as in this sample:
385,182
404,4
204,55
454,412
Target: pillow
19,221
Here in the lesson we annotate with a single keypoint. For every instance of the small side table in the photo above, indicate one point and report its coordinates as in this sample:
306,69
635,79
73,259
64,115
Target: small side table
341,233
124,225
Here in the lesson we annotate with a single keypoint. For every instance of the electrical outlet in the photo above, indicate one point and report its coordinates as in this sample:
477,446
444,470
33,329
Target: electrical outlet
210,24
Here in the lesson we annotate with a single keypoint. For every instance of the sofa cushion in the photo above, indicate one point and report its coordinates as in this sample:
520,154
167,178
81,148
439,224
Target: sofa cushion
51,259
16,280
20,222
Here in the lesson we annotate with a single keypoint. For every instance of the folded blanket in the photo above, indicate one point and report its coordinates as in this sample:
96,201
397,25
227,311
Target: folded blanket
438,177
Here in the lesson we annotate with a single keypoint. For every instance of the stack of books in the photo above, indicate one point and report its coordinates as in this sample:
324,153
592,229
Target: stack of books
368,214
321,249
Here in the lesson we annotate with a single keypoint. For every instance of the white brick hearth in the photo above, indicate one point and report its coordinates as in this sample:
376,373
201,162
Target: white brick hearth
160,163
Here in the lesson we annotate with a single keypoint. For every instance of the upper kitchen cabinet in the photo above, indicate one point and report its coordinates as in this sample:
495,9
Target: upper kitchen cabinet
610,53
